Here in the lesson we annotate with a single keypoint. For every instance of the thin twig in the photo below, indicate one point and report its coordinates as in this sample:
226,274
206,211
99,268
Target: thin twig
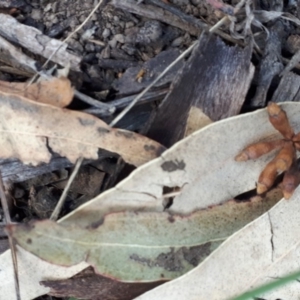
63,197
123,102
110,109
11,243
218,24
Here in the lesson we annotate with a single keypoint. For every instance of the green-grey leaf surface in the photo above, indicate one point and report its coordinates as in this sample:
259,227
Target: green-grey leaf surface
144,246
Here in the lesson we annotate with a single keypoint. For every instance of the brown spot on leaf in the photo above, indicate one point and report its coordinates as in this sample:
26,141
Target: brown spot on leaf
171,166
171,219
149,147
128,135
29,241
102,130
194,255
170,261
96,224
86,122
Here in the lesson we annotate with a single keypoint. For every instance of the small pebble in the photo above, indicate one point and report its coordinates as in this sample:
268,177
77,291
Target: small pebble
122,24
129,24
106,33
120,38
149,33
177,42
88,34
89,47
113,43
48,7
94,71
76,45
89,58
105,53
36,14
129,49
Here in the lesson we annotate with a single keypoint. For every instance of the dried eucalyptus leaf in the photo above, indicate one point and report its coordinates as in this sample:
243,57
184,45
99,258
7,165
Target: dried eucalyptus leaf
145,246
28,129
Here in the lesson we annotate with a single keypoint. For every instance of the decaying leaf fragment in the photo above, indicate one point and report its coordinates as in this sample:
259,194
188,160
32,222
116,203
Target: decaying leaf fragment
284,161
28,129
180,166
55,91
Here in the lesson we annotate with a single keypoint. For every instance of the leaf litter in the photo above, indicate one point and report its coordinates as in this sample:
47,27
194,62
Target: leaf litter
142,191
173,166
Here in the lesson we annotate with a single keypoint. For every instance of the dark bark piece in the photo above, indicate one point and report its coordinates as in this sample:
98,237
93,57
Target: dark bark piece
270,64
215,79
179,13
172,16
117,64
130,83
14,57
88,285
157,13
33,40
12,170
288,88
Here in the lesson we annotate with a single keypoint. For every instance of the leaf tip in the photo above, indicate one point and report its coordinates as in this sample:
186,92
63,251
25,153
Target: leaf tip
261,188
273,109
242,157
